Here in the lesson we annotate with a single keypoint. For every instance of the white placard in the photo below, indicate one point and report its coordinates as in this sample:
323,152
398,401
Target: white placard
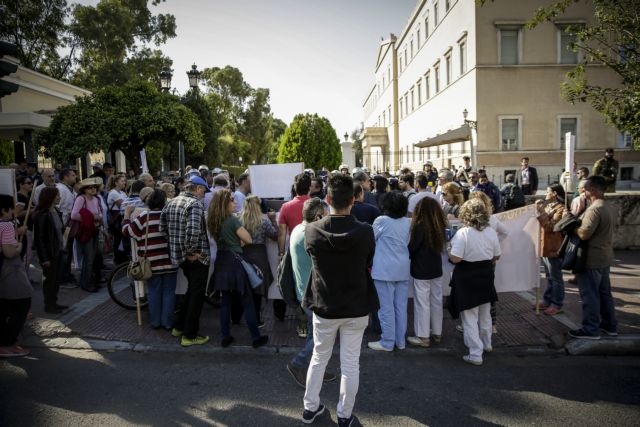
274,181
570,148
143,160
8,182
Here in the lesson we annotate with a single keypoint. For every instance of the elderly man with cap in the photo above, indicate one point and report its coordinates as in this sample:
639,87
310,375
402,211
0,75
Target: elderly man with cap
183,220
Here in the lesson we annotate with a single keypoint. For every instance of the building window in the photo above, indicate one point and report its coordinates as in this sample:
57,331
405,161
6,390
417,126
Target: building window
390,119
406,104
625,140
418,37
436,77
435,14
405,57
566,53
419,87
426,26
463,56
509,46
427,85
447,63
510,134
400,62
413,107
411,47
401,109
568,124
447,5
384,118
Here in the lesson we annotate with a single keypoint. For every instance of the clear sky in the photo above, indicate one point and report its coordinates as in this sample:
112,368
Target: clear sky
315,56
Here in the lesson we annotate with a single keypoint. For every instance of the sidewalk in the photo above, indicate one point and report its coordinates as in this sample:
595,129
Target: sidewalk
97,317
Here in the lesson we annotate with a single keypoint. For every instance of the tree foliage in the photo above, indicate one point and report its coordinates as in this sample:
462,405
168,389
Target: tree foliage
356,137
612,40
127,118
310,139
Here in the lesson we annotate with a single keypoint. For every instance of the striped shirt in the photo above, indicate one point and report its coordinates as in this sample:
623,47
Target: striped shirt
157,248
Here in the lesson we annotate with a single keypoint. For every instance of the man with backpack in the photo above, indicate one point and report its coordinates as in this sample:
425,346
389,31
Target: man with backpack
512,195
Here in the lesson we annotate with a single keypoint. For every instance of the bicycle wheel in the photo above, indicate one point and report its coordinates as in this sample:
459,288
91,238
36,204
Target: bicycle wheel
121,288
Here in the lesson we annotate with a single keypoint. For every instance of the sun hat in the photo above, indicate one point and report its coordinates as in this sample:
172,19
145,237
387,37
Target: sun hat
88,182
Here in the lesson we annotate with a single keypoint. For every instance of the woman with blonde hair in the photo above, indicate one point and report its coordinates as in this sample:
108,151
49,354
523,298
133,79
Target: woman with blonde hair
452,194
426,245
494,222
474,251
169,190
260,229
229,277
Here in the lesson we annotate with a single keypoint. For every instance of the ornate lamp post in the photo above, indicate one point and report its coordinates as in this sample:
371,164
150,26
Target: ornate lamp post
194,76
473,125
165,80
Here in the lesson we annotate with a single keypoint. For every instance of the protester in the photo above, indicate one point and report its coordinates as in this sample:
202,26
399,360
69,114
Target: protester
116,197
317,188
67,196
527,177
364,212
147,179
34,174
583,174
243,189
134,196
49,244
432,175
490,189
98,172
598,222
169,190
87,209
313,210
15,288
607,167
495,223
153,244
290,216
48,180
444,177
390,271
423,190
182,219
25,186
361,177
260,229
229,276
220,182
452,196
512,195
550,212
340,295
406,185
462,175
426,244
474,251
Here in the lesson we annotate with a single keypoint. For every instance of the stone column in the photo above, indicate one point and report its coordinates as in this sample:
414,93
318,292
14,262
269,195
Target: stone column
348,155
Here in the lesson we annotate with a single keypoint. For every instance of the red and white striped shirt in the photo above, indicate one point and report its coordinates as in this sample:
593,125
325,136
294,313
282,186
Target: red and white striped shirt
157,248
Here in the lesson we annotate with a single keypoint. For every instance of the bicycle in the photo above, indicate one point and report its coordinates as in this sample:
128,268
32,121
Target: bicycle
121,289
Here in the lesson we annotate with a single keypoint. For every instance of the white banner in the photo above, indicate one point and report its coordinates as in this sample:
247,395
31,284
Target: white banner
143,160
274,181
8,182
518,269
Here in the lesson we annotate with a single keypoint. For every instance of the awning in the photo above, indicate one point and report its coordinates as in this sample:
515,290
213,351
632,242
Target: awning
463,133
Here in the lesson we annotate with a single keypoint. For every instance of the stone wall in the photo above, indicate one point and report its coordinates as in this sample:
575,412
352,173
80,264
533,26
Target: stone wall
627,207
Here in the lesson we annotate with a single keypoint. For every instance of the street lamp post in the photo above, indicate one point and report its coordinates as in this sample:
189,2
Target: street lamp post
473,125
165,84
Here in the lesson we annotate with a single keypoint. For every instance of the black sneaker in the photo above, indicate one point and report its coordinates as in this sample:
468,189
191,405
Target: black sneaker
581,334
609,333
352,421
299,375
226,341
264,339
260,324
310,416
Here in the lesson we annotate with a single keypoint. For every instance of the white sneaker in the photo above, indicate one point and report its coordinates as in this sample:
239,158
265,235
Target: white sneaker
419,342
459,328
488,349
468,359
375,345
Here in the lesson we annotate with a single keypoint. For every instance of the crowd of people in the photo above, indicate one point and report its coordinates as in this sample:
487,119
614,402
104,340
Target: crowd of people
357,245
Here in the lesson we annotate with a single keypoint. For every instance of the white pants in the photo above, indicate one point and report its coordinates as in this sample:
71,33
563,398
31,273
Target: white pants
427,307
477,330
324,336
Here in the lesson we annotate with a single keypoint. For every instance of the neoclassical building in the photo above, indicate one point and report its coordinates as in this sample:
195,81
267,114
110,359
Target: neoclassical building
454,56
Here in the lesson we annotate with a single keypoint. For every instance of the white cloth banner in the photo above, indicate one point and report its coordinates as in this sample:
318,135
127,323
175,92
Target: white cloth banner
518,269
274,181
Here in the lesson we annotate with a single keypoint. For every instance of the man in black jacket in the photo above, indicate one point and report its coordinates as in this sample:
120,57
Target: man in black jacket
527,177
341,294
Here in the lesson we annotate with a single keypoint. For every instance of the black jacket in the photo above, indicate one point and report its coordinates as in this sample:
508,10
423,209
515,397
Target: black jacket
341,250
533,179
46,239
426,264
364,212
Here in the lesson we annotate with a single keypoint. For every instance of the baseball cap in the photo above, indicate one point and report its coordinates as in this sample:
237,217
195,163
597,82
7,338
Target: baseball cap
199,181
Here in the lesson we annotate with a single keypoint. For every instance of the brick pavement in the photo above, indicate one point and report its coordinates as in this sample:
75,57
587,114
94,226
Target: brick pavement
96,316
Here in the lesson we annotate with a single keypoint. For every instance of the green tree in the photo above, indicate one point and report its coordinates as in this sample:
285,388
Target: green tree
39,30
278,127
112,39
612,40
257,125
7,152
310,139
356,137
127,118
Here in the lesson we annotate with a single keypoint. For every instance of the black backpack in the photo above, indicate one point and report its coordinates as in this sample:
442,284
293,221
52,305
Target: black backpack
513,197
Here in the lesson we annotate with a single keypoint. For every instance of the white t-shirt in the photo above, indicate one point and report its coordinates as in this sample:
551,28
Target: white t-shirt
413,201
113,197
473,245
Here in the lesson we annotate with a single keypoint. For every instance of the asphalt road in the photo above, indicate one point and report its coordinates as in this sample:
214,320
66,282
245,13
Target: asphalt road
75,387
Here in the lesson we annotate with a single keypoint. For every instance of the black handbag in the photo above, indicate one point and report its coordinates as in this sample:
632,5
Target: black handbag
286,281
574,254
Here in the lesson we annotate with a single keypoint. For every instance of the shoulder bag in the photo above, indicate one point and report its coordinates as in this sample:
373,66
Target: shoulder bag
286,280
253,272
141,268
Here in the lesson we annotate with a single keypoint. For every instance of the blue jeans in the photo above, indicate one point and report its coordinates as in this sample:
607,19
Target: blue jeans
301,359
393,298
597,302
161,294
89,266
249,314
554,294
